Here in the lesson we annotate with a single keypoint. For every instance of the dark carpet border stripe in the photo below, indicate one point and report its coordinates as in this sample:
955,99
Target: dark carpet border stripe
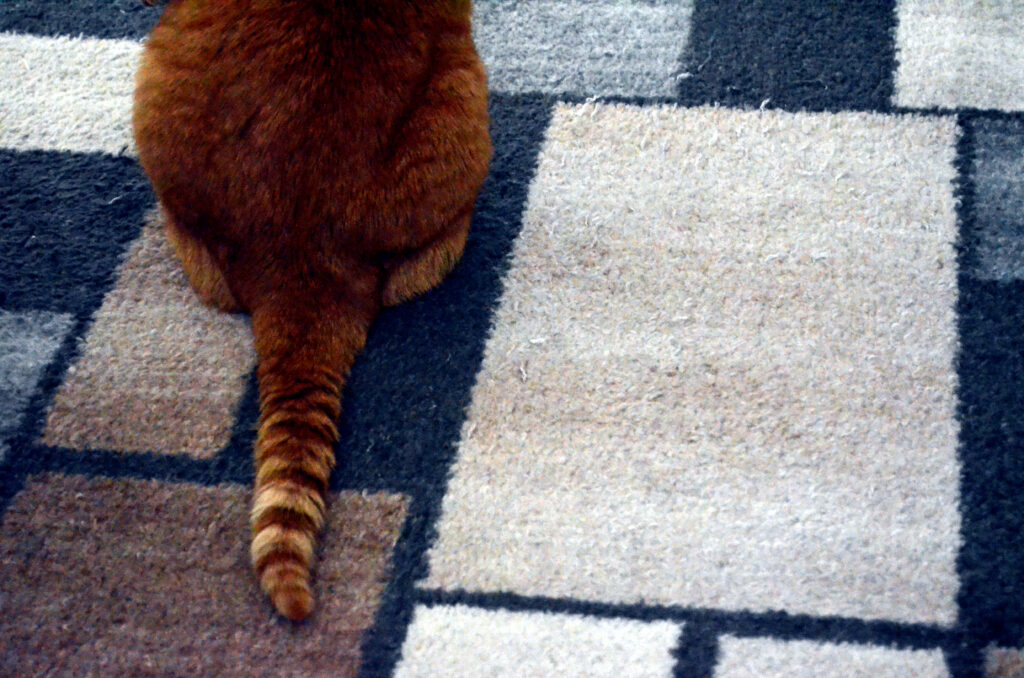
964,194
108,19
436,344
27,458
233,464
572,99
697,652
990,368
135,465
964,659
991,399
963,113
67,220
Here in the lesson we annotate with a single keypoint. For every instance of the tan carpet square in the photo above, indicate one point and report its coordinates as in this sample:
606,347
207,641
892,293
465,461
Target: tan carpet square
135,578
158,371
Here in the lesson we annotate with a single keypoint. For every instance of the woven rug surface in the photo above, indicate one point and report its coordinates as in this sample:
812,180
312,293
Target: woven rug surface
730,382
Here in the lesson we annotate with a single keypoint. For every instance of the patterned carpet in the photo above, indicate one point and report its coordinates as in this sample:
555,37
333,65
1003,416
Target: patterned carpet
730,382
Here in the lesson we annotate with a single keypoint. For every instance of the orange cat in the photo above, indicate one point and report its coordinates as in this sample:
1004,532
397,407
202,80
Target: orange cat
316,160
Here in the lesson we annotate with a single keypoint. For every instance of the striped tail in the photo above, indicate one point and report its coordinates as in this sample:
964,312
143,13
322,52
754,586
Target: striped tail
305,356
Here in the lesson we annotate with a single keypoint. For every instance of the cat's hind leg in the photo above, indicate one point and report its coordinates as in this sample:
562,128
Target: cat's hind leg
202,271
414,274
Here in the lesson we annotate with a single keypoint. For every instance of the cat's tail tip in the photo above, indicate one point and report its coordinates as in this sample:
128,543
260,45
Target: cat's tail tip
293,600
287,583
282,556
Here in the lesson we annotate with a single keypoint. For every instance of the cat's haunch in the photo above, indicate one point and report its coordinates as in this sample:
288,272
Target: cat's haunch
315,162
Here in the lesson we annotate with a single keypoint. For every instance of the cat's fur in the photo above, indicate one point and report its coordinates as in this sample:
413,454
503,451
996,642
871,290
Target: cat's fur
316,160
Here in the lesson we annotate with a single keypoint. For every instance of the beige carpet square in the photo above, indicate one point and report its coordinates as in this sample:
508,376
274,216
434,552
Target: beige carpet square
758,657
960,54
722,372
67,94
465,642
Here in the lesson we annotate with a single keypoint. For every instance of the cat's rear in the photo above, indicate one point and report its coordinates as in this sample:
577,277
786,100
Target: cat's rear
315,162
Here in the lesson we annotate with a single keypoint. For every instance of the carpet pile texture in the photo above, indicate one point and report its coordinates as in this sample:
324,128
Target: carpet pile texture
730,382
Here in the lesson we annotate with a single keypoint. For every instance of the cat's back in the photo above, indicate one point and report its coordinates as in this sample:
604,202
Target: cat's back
307,112
278,61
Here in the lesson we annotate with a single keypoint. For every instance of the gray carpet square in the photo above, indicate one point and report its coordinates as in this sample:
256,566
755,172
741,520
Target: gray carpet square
588,48
28,342
998,180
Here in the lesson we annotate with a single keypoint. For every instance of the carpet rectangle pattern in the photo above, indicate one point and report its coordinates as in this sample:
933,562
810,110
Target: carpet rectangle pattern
729,383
